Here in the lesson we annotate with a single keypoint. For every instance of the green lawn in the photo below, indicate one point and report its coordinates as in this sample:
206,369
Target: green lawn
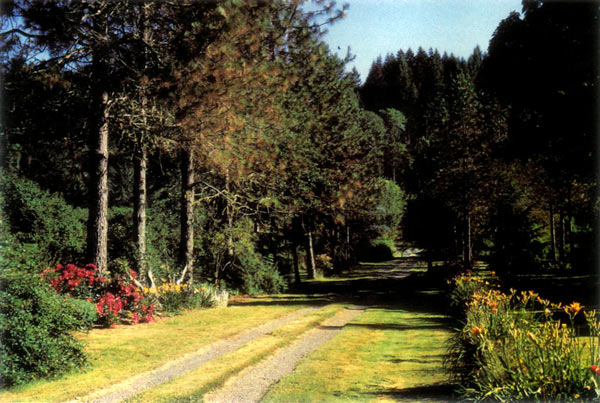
392,351
386,354
120,353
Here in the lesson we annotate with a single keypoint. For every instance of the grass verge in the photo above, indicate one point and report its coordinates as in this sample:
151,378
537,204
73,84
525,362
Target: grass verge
119,353
195,384
384,355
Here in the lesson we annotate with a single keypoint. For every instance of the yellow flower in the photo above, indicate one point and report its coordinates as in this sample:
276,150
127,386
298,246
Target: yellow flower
575,307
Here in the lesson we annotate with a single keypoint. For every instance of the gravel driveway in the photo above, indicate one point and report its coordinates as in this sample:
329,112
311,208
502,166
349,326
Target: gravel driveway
252,384
189,362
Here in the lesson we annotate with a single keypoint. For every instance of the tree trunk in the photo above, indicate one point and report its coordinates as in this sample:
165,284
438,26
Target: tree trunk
139,211
310,257
552,234
140,162
347,249
296,265
97,225
186,244
229,213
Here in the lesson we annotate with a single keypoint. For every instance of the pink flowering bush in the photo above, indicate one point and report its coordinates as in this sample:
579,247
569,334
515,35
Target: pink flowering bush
115,298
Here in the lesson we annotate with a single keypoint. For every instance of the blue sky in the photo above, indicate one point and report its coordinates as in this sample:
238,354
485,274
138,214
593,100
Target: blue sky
378,27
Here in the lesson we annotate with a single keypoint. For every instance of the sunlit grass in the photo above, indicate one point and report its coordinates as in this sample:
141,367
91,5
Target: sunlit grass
120,353
192,386
383,355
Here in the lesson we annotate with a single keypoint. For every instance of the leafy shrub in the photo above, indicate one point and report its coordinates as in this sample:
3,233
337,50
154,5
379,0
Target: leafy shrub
114,298
120,233
36,216
173,298
511,347
323,264
246,270
163,236
85,313
259,275
35,326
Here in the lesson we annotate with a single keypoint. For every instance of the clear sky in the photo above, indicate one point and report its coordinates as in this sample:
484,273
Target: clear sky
378,27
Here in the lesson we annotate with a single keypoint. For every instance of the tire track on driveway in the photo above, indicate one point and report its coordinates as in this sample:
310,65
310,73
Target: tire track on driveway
189,362
252,384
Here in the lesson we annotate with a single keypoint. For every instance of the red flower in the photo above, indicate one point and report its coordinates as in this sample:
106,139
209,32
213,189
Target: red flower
595,369
99,308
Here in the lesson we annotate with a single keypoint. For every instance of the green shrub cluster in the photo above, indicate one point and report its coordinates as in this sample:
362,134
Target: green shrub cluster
173,298
258,275
35,326
41,218
35,322
516,347
233,259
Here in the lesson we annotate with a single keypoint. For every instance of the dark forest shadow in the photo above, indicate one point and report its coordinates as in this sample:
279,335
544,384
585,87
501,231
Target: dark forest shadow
441,392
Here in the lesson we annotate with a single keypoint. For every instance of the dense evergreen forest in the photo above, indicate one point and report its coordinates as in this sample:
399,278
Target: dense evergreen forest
498,152
223,141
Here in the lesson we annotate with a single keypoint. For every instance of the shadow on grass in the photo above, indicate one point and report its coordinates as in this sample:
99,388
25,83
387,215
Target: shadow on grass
423,359
402,283
276,301
392,326
440,392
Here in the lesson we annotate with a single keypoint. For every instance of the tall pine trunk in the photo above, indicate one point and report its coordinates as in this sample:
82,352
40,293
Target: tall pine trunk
294,247
186,244
140,162
139,210
310,256
97,225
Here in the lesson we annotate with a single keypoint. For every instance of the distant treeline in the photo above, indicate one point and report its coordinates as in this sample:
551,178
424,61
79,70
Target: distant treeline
501,148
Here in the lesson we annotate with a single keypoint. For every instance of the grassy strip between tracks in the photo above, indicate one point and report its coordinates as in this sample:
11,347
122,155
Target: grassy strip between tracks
119,353
192,386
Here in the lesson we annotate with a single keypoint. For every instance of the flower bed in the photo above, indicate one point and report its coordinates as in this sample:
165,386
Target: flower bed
116,299
519,346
